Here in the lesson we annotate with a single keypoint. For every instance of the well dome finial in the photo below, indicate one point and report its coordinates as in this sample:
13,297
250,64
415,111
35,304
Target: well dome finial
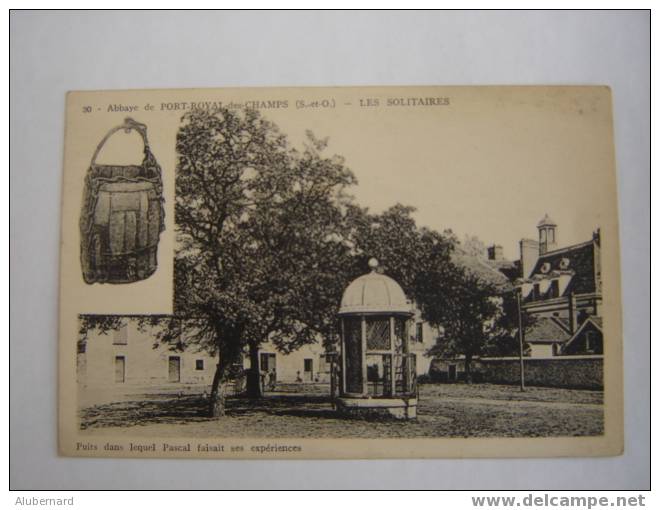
373,263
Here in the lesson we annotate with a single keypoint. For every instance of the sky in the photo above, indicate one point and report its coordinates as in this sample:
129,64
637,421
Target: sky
491,164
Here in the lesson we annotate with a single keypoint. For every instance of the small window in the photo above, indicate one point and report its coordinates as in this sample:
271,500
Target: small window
120,336
554,289
199,364
588,341
537,291
419,334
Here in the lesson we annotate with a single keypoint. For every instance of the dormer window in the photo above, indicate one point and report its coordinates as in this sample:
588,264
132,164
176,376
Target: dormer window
545,268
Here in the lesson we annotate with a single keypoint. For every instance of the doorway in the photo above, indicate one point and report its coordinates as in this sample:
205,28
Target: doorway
120,369
268,371
309,370
267,362
174,369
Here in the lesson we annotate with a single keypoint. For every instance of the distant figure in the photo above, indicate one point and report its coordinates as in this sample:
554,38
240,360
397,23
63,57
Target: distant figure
263,380
240,383
298,378
272,379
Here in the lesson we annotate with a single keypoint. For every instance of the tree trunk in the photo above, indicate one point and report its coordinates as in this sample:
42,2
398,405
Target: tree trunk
217,399
468,369
253,383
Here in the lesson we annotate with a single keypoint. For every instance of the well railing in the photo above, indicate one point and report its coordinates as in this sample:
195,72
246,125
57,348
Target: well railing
391,375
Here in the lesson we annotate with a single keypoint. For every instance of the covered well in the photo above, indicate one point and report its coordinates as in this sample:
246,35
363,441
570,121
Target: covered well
378,373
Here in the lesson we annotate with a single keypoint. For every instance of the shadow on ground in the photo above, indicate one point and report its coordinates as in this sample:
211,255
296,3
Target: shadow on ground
443,411
284,405
165,408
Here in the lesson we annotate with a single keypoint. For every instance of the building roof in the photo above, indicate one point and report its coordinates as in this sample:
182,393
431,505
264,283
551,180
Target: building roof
374,293
578,258
546,330
596,322
481,268
564,323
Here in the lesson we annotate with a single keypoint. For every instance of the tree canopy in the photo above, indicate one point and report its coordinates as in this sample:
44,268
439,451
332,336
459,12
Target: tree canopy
261,234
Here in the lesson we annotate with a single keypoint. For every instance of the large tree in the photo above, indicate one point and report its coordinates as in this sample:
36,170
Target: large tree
404,251
474,305
504,339
261,238
467,310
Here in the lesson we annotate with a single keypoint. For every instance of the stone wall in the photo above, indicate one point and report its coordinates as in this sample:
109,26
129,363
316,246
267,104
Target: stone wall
557,371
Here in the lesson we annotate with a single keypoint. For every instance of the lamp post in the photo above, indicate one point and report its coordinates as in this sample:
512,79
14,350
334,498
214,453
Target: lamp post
520,339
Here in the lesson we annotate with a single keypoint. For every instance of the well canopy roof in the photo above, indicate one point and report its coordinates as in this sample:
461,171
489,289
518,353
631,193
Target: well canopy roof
374,293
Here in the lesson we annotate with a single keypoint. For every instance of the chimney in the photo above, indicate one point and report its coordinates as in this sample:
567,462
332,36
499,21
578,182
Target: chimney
529,254
495,252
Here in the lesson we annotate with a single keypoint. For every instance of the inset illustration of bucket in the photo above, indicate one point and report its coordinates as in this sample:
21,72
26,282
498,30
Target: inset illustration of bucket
122,216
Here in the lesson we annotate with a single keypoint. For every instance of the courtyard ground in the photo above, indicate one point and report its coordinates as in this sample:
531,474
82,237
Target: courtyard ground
444,410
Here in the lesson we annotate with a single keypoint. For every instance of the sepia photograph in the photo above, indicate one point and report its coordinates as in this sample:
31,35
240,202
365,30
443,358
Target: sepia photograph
385,263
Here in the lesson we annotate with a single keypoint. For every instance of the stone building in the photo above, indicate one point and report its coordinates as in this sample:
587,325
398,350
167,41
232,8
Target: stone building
310,363
561,294
128,360
561,290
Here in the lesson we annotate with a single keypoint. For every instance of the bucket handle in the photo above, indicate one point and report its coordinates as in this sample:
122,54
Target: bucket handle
127,126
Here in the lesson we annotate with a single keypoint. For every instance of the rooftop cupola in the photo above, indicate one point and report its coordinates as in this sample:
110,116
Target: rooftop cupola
547,234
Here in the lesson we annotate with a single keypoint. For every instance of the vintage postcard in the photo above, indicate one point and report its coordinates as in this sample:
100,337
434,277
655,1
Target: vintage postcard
348,272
